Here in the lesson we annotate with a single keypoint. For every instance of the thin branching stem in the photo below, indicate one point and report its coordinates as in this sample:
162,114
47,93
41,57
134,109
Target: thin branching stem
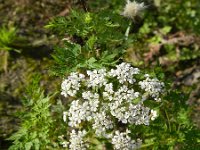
128,30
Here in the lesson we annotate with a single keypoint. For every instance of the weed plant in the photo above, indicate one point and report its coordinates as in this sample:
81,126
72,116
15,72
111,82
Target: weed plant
93,43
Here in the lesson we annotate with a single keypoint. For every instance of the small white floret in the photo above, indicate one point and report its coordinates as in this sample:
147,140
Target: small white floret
133,9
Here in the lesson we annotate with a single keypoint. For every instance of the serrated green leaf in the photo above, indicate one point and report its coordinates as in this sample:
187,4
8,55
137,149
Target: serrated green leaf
90,42
28,145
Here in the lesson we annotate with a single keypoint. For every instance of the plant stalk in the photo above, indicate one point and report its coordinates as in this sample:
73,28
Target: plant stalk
128,30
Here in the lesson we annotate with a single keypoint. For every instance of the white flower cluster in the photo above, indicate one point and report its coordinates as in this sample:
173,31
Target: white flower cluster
124,72
152,86
122,141
76,140
83,111
71,85
104,99
97,78
102,122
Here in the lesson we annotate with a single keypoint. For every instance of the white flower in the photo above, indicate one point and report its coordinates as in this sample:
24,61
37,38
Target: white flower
71,85
65,143
108,96
153,87
78,113
154,114
119,112
76,140
124,72
93,100
82,110
109,88
94,104
133,9
64,116
139,114
122,141
97,78
88,95
101,123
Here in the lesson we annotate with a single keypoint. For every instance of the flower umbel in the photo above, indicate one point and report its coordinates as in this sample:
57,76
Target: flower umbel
103,99
133,9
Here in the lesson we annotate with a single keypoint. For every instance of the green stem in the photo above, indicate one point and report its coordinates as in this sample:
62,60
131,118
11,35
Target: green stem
179,126
168,120
147,145
128,30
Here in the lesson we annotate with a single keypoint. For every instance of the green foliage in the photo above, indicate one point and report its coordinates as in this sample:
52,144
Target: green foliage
7,40
173,127
101,5
36,121
170,33
7,37
98,39
103,25
182,14
178,15
71,58
188,54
